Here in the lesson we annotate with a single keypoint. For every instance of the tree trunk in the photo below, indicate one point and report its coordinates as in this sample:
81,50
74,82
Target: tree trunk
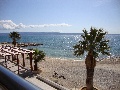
14,42
89,78
35,66
90,65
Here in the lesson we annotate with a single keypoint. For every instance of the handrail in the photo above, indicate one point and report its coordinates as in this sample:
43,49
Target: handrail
14,82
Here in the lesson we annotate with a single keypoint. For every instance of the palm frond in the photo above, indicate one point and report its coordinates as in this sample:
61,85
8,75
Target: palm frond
93,41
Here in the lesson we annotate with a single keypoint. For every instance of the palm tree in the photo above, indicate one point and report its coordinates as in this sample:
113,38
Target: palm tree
38,56
94,43
15,36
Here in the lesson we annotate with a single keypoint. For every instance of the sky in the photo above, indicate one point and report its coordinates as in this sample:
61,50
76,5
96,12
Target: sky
65,16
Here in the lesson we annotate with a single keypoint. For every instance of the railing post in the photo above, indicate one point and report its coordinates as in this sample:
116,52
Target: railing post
5,61
18,63
23,60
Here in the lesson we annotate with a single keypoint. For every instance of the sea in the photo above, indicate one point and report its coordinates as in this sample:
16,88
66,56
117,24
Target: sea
60,45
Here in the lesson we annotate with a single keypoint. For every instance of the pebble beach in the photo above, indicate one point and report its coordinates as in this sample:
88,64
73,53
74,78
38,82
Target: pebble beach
106,74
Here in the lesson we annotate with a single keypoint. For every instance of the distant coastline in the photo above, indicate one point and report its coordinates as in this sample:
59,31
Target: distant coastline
42,33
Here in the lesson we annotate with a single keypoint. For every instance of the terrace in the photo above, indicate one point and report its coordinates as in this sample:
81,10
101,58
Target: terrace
14,52
12,62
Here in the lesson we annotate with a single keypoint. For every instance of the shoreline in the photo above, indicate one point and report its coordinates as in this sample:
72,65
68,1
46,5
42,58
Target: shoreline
106,76
117,56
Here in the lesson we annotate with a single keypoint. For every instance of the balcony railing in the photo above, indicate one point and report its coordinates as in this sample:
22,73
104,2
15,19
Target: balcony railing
12,81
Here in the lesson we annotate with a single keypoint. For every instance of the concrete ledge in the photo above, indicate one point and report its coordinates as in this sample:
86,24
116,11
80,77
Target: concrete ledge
51,83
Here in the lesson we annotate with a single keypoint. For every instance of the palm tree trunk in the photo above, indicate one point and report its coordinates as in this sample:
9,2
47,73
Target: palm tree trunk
90,65
14,42
89,79
35,66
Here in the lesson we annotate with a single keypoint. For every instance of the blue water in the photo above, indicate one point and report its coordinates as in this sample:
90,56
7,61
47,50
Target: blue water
60,45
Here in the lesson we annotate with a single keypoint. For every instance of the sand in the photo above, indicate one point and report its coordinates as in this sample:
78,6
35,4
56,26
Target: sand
106,76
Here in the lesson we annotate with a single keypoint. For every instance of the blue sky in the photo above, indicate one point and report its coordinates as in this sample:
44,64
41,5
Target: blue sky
66,16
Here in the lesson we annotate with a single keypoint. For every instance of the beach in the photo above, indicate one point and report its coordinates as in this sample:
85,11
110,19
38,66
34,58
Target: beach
106,75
